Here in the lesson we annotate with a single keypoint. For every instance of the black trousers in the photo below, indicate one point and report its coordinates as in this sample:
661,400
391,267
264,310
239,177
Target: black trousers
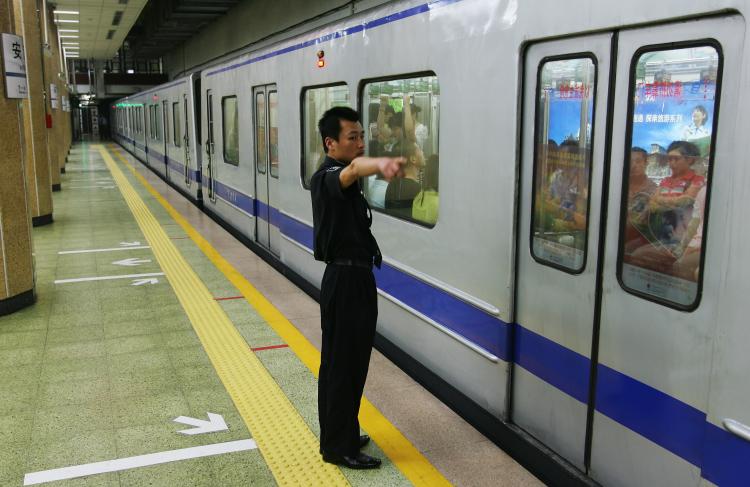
349,312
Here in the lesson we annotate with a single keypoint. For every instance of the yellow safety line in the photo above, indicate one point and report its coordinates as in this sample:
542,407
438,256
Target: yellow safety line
288,446
399,450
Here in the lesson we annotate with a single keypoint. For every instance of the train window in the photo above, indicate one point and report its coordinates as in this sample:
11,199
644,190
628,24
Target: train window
273,134
157,125
672,116
562,162
401,118
315,101
260,132
230,130
176,125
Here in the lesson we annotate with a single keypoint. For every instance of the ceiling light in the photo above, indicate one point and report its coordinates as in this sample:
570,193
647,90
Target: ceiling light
71,12
68,37
70,43
67,30
60,21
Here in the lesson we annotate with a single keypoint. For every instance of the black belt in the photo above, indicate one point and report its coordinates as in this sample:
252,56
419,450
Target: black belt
367,264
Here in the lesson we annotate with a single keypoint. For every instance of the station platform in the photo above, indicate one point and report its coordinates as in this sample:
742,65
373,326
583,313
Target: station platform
161,351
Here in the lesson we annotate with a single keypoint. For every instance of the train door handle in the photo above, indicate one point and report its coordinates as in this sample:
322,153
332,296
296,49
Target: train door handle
737,428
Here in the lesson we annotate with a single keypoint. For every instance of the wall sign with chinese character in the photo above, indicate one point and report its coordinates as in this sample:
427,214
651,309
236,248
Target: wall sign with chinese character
14,67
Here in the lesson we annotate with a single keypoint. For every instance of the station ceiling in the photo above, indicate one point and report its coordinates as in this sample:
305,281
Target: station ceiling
98,28
151,28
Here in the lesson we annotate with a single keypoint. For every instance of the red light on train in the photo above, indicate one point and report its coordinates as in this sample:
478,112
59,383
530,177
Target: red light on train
321,60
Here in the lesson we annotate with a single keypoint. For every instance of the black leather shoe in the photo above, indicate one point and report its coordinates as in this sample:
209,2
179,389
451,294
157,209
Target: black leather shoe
363,440
360,461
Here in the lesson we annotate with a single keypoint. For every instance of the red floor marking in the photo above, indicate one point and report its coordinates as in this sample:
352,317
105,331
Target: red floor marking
259,349
230,297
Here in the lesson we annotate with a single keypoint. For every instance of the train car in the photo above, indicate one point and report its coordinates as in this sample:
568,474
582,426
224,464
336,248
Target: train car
159,127
574,284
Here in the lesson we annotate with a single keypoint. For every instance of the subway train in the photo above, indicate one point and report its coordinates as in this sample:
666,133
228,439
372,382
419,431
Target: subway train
563,257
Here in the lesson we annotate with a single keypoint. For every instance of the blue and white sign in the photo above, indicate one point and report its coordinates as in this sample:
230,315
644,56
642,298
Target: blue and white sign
14,67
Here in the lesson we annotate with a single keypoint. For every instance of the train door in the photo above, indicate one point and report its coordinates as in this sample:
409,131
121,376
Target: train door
210,145
563,158
667,313
186,138
165,135
266,166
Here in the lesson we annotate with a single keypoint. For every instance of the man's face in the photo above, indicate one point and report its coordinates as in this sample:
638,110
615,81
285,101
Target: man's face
350,144
698,118
637,163
678,163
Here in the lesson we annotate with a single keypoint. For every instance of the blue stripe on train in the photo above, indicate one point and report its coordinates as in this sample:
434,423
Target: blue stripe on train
410,12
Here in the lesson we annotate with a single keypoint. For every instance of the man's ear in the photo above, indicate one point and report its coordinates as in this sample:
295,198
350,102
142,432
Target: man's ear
329,142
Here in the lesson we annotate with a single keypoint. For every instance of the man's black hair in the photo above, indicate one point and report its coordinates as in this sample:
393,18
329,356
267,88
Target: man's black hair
329,124
639,149
687,149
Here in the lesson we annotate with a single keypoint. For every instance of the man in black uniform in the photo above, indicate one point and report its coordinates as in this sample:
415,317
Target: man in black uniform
348,297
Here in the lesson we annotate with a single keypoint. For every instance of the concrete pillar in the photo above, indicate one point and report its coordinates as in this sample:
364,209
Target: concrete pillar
36,157
16,265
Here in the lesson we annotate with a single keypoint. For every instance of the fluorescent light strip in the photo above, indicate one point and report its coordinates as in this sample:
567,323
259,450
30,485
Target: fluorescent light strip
70,44
71,12
67,30
60,21
68,37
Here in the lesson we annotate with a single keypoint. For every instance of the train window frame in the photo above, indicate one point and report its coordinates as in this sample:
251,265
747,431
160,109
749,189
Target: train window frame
563,57
302,112
176,123
225,159
360,108
274,173
705,42
261,169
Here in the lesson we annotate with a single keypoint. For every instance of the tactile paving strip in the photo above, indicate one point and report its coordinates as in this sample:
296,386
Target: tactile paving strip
288,446
395,445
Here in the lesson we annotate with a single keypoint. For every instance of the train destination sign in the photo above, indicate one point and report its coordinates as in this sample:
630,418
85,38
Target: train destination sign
14,67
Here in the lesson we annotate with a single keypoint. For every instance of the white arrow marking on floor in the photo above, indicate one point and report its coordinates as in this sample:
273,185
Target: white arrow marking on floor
131,262
106,278
130,244
215,423
131,247
137,461
140,282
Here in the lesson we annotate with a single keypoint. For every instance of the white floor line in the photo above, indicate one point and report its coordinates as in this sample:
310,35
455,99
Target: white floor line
137,461
102,250
105,278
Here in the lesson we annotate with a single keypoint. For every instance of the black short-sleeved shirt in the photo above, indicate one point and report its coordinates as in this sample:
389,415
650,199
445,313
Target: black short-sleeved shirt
341,217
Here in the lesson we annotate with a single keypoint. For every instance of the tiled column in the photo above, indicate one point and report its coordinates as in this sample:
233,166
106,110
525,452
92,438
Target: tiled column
36,157
57,113
50,76
16,267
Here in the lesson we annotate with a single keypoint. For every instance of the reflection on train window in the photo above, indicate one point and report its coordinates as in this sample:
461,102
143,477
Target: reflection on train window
315,101
261,158
230,133
671,120
562,162
401,118
273,135
176,125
